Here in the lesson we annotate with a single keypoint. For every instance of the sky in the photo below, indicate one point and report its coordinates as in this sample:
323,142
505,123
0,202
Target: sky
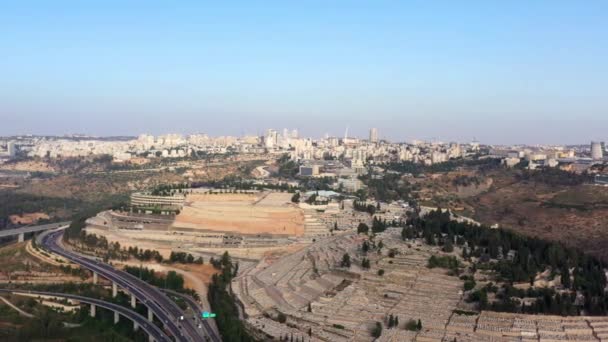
500,72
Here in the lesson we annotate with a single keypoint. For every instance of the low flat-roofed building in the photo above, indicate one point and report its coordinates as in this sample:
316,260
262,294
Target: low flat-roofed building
309,170
601,179
350,184
145,200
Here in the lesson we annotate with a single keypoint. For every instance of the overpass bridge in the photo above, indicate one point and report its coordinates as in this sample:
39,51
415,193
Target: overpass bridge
20,232
157,303
139,321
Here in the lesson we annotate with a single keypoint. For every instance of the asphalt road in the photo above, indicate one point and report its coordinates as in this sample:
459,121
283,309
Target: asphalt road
31,229
197,309
163,308
142,321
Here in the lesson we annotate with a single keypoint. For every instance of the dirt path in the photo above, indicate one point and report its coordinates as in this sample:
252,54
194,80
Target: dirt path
21,312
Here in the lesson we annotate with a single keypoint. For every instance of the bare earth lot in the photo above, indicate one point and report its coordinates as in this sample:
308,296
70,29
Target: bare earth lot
271,213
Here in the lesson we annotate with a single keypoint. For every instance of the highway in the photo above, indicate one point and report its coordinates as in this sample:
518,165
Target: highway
197,309
31,229
149,327
163,307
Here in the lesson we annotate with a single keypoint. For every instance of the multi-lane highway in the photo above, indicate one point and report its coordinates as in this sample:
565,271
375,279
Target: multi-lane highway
196,308
154,331
163,308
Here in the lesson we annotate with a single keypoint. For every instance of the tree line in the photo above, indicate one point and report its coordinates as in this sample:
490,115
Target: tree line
554,177
447,166
172,280
238,183
113,250
580,272
390,187
223,303
365,207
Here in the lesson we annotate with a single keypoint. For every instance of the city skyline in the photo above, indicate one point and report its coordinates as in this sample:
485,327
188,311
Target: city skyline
503,74
360,133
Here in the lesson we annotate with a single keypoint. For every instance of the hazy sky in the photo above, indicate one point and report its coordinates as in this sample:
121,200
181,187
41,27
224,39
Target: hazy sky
499,71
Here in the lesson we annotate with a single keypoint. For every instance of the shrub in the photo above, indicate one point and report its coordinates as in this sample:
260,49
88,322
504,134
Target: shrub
281,318
377,330
411,325
469,285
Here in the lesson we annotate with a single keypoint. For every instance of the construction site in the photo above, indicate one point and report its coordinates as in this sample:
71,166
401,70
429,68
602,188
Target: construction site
247,225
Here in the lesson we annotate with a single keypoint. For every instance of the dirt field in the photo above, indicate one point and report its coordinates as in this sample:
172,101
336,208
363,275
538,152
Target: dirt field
30,165
27,218
247,214
196,276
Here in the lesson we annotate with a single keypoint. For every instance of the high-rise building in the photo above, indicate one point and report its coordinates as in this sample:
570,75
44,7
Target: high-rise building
373,135
11,149
271,139
596,150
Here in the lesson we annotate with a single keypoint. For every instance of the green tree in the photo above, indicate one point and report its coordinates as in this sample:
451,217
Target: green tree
411,325
365,247
377,330
174,281
190,259
565,273
281,318
469,284
448,247
362,228
295,198
408,233
345,261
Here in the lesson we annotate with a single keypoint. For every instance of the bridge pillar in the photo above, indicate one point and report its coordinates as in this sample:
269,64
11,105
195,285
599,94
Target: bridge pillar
95,278
116,317
114,290
135,326
92,312
150,338
21,237
133,301
150,315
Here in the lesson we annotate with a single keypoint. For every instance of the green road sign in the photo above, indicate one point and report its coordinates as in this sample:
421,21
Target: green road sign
207,314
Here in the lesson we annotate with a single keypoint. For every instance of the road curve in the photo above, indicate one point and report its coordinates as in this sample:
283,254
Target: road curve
163,308
142,321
